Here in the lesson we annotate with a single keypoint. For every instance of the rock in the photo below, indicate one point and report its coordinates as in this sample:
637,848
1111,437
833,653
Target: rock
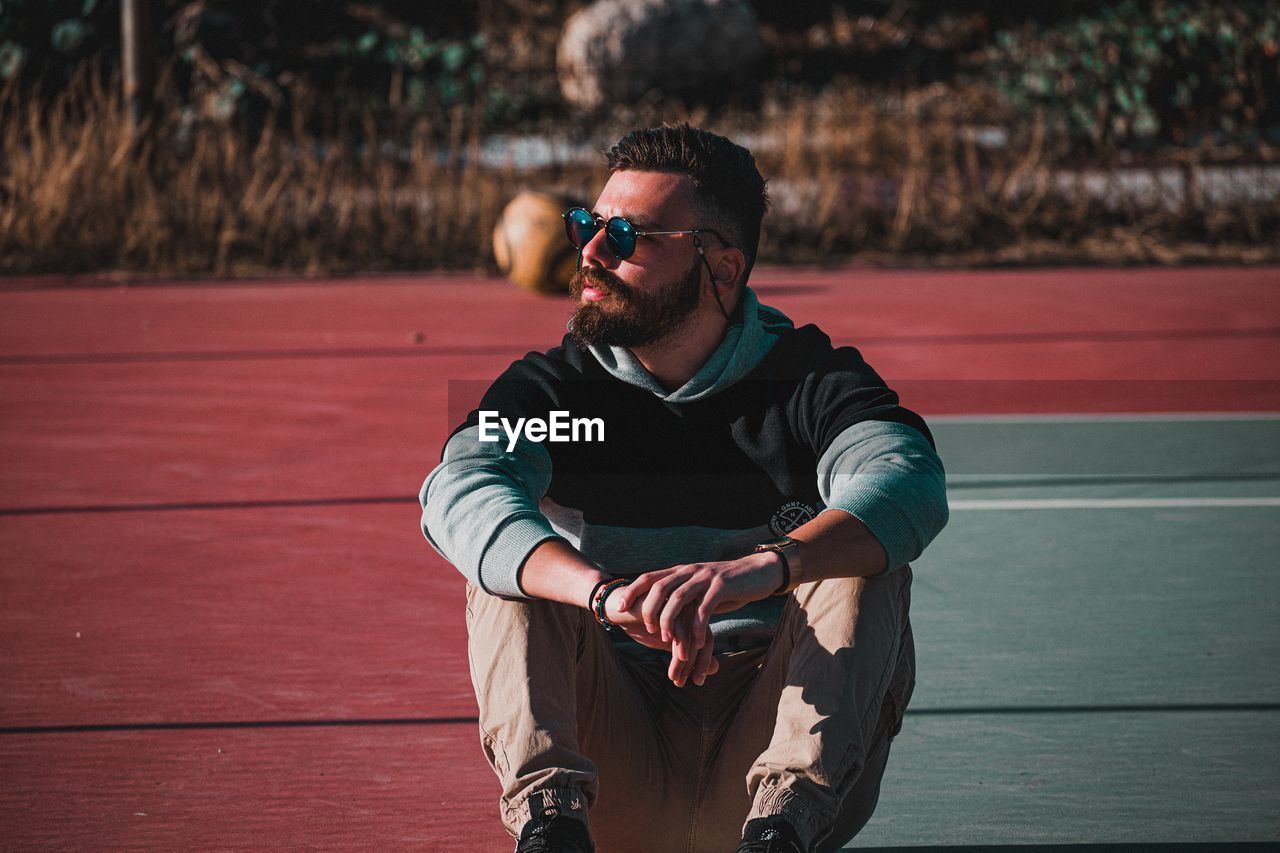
615,51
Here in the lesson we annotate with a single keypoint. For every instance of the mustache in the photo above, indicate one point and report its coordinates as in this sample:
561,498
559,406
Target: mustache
598,278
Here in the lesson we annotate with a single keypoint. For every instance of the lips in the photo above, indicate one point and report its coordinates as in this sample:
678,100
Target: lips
591,288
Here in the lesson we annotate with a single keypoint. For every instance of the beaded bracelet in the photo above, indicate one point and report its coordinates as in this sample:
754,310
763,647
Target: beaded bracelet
591,599
598,605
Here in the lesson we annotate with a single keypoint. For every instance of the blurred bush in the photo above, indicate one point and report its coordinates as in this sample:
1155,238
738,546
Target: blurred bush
1174,72
245,59
1109,73
46,40
386,57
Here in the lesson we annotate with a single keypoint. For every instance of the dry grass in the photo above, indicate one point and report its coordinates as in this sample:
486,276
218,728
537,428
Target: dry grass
913,182
79,192
903,183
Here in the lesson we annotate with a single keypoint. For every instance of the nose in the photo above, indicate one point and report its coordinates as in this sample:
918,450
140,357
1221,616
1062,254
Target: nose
596,253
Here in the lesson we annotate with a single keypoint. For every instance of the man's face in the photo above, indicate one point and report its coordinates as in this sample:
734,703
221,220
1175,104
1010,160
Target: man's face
652,293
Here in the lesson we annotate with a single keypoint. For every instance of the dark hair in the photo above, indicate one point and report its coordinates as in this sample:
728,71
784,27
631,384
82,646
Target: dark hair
727,184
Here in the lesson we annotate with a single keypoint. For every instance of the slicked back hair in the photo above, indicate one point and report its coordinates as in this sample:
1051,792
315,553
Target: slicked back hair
727,185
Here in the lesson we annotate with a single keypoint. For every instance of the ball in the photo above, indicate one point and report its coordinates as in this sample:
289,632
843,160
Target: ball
530,245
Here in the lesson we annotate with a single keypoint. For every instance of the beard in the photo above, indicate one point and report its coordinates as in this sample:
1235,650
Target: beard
638,317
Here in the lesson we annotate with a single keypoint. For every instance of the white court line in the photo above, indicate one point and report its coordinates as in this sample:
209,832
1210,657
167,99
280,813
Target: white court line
1094,479
1110,503
1126,417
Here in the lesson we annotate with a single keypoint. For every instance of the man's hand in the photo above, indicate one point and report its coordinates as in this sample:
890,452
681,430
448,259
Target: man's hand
688,660
673,607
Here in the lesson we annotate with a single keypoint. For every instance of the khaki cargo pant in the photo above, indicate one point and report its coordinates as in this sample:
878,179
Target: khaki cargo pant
800,728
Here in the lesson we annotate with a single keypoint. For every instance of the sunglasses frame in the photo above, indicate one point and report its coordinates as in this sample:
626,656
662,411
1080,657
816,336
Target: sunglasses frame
612,240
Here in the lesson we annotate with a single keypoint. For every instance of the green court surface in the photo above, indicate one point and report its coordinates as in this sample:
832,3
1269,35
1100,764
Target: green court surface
1098,633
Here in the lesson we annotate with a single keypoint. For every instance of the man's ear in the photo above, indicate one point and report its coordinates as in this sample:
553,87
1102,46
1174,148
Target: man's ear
728,266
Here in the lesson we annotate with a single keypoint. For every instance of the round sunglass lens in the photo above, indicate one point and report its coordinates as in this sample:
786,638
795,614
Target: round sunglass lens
580,226
621,237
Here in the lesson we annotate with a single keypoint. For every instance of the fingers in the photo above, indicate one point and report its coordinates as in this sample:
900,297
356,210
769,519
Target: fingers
690,663
698,594
681,663
655,603
687,612
670,619
683,652
676,603
710,600
705,664
629,594
641,590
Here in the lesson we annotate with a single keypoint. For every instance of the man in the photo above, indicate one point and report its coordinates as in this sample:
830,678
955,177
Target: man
693,634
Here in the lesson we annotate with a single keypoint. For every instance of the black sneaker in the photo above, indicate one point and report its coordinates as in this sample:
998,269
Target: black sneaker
555,834
770,835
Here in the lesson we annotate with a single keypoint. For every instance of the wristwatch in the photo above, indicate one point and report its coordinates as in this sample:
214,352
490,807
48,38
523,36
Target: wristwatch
789,550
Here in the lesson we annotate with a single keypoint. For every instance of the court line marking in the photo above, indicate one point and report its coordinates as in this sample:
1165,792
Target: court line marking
1111,503
1118,417
163,357
1000,481
1076,336
1120,336
958,505
198,725
205,505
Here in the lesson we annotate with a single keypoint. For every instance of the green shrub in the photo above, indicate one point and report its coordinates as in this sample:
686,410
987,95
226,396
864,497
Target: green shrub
47,40
1174,71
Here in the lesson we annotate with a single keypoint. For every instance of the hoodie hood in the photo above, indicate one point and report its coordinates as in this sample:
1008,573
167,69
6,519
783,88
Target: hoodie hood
753,332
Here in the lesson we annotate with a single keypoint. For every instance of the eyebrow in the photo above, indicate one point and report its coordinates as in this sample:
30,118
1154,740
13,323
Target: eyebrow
639,220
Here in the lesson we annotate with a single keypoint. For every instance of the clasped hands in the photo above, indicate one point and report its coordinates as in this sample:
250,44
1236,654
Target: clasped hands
670,609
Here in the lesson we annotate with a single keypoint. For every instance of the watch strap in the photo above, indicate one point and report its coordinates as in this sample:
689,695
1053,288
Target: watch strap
786,549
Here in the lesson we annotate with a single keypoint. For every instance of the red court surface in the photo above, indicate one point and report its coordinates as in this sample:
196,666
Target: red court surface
221,625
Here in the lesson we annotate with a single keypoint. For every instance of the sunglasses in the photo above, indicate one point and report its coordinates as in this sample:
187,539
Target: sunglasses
620,235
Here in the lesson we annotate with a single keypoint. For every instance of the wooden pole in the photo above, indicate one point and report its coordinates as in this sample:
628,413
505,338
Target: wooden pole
137,49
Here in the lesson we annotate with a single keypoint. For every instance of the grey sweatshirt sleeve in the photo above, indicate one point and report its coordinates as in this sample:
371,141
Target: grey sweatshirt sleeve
889,477
480,509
